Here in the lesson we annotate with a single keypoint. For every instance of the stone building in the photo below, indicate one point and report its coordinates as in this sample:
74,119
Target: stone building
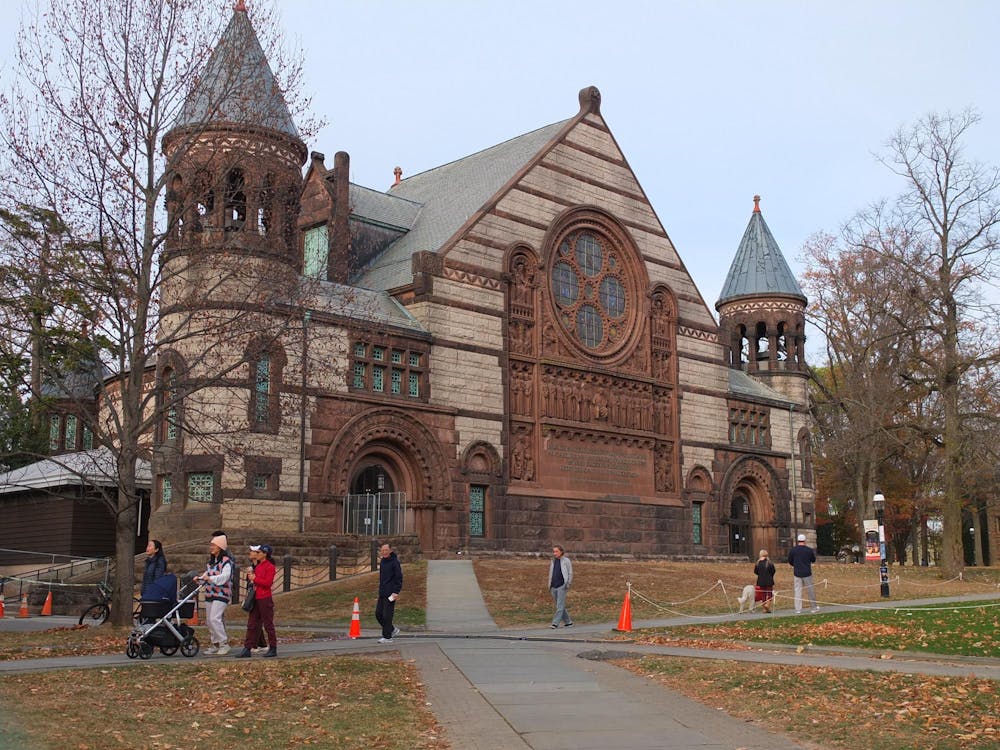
504,352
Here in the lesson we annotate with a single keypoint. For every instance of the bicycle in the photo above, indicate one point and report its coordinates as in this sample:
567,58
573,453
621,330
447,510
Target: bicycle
98,614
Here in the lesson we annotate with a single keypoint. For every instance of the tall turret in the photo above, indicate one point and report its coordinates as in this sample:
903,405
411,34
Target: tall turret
762,312
234,158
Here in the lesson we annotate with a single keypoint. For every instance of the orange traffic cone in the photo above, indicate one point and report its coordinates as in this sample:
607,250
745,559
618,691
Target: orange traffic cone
3,608
194,615
24,606
47,607
355,631
625,619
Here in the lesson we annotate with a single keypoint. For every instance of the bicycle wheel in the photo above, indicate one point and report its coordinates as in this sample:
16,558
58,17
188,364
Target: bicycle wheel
95,614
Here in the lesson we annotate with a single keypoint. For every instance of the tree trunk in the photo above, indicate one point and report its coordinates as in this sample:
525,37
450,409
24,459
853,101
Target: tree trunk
125,525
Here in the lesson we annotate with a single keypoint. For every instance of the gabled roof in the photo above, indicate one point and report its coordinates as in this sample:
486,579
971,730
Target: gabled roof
237,85
448,196
94,468
382,208
759,268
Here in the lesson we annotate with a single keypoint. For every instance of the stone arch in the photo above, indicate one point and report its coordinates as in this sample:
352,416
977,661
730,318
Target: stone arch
409,453
481,458
753,480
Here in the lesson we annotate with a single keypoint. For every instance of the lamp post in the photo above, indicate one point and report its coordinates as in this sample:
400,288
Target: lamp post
879,502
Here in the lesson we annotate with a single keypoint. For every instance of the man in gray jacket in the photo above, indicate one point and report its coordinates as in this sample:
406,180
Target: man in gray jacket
560,578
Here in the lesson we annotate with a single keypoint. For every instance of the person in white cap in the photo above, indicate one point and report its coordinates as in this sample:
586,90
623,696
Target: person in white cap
801,557
218,592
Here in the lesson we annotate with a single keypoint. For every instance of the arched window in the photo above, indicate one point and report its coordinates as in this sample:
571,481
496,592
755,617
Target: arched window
266,362
262,388
171,412
265,209
236,201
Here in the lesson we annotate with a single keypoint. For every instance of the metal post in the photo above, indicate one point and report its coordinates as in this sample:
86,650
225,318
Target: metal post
374,545
287,564
879,502
333,562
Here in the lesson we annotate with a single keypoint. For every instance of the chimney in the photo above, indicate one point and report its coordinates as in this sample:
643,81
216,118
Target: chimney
340,242
398,172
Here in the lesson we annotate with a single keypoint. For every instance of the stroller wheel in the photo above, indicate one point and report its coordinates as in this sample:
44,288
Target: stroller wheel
191,647
168,650
131,651
145,650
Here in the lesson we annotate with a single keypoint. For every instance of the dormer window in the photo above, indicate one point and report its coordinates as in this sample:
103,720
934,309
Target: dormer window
316,251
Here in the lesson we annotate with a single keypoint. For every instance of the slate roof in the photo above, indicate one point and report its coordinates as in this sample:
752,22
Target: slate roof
95,467
448,196
759,268
237,85
382,208
365,305
80,384
742,385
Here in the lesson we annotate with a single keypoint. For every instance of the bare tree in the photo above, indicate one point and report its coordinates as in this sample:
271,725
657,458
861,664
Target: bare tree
99,84
938,242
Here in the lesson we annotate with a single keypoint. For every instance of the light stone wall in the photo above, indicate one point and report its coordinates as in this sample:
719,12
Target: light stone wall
262,514
452,385
704,418
470,430
460,325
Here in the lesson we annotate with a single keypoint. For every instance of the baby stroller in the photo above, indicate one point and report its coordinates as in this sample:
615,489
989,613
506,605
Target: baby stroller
159,623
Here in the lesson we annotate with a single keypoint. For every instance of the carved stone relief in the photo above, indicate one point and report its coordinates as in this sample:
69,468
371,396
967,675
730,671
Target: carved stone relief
522,462
663,468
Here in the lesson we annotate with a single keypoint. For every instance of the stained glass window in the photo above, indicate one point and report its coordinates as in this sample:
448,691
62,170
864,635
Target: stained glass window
316,251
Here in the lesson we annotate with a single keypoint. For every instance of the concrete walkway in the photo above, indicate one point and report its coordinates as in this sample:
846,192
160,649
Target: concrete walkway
512,693
531,690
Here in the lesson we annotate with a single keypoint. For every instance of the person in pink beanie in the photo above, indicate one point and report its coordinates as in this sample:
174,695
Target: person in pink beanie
218,592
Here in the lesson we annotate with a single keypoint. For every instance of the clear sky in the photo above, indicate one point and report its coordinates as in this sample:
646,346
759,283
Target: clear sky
711,101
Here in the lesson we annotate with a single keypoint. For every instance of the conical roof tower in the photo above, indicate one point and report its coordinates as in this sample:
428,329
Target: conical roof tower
762,307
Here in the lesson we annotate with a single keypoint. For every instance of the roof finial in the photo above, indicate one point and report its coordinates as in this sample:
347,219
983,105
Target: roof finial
240,7
756,204
398,172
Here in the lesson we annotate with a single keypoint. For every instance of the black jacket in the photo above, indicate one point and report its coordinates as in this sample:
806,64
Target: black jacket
390,575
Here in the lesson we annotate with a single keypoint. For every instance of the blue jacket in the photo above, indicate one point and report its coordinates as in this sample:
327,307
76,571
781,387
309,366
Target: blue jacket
156,567
801,557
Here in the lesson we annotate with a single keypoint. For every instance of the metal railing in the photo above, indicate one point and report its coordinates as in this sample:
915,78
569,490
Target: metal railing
375,514
60,567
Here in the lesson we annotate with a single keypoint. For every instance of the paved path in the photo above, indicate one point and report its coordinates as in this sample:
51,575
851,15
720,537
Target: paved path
531,690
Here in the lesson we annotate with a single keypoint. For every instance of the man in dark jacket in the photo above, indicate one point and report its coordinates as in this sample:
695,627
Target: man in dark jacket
390,583
801,557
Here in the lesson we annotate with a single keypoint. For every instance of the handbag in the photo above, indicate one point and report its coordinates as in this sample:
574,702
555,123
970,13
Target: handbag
250,598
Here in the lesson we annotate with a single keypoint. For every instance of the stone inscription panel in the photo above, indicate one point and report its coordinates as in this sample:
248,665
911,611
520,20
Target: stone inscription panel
590,466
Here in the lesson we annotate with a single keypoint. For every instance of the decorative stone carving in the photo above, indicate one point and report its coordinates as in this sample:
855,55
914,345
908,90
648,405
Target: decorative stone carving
522,464
663,469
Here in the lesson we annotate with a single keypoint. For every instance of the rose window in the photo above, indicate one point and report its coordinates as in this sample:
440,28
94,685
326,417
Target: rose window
588,290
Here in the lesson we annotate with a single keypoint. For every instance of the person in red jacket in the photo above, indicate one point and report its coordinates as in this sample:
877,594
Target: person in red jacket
262,614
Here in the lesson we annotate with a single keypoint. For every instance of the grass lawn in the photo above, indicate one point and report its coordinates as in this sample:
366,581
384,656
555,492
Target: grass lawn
968,629
837,709
333,702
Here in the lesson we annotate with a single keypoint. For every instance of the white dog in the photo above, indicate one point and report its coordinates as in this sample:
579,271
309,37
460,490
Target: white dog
746,599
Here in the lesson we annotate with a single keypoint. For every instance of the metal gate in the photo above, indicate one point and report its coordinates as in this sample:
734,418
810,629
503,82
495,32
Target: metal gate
375,514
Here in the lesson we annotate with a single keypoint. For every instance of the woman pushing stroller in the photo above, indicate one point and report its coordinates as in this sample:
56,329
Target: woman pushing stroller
218,592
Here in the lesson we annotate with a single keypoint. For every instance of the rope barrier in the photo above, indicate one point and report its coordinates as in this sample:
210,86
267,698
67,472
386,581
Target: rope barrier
787,594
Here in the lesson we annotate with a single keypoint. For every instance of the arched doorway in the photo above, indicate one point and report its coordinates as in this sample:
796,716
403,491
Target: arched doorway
374,507
754,516
739,525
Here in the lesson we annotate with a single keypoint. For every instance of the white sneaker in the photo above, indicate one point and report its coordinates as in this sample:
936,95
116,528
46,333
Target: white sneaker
212,650
815,609
395,632
223,649
385,640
